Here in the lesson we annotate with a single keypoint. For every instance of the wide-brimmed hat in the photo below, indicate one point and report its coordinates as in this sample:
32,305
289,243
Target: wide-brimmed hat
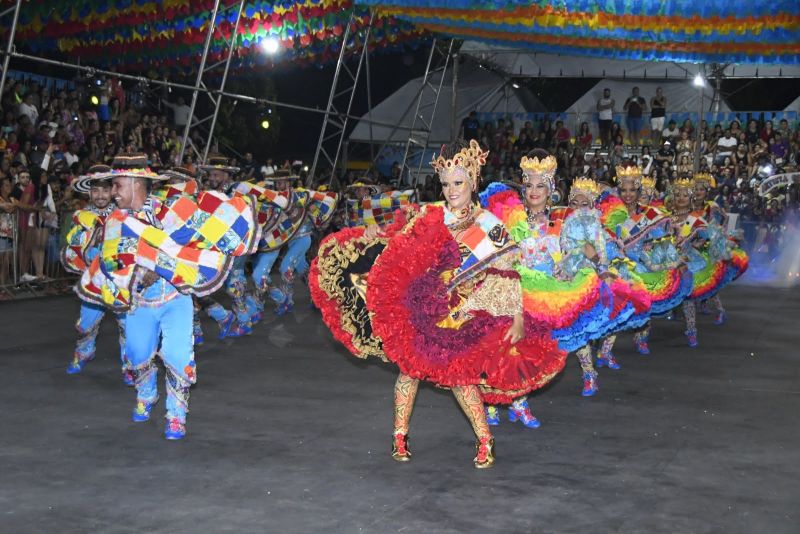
179,173
96,173
128,165
219,163
374,189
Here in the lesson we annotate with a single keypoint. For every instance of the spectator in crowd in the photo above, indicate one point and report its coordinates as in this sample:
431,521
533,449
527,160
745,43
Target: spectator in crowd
268,169
562,135
671,132
665,154
725,146
180,112
584,137
658,112
8,209
635,106
605,116
470,126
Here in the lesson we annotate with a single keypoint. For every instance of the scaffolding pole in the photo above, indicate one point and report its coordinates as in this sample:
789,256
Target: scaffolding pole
335,129
212,24
10,46
218,100
425,113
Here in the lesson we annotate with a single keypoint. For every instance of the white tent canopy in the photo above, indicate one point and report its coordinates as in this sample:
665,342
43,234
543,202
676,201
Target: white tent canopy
794,106
521,62
478,89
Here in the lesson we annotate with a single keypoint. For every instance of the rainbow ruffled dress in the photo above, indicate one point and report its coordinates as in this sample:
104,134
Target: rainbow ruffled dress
640,247
716,262
562,290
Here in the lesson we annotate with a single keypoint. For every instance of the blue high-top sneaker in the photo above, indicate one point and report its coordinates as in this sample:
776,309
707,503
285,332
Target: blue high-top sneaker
76,366
141,412
520,411
226,325
175,429
589,383
492,416
691,338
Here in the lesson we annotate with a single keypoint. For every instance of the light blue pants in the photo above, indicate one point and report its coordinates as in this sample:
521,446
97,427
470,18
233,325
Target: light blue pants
294,263
88,325
171,324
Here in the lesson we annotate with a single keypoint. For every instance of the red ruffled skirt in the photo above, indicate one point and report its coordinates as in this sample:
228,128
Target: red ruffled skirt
408,298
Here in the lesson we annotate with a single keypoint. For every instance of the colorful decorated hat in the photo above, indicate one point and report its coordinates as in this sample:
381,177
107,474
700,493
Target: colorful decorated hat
96,173
373,189
218,162
179,173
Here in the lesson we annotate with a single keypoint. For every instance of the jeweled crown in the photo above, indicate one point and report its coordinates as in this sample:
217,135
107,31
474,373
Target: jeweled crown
683,182
471,159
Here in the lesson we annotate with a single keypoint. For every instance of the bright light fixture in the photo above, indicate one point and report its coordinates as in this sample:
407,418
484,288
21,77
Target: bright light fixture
515,85
699,81
271,45
265,124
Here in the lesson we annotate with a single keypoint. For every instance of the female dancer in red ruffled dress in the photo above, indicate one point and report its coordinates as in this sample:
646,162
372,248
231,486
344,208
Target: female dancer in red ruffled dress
439,297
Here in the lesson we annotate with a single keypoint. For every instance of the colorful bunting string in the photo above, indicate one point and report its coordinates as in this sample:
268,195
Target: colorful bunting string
727,31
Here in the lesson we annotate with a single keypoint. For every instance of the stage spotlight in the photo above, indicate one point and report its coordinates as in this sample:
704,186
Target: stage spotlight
271,45
264,124
95,100
515,85
698,80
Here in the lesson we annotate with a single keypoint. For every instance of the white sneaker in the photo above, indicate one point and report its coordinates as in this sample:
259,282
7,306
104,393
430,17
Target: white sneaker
27,278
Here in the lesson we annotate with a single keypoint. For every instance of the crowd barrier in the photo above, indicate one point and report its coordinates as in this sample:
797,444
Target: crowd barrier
40,250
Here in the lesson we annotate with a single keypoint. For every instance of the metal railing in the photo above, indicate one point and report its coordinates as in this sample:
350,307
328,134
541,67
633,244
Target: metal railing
32,266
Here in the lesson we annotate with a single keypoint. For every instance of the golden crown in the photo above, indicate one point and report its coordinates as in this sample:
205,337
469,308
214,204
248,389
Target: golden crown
629,171
546,165
704,177
584,185
471,159
648,182
683,183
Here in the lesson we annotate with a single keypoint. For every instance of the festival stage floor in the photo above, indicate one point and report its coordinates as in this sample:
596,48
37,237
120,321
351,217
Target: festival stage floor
290,434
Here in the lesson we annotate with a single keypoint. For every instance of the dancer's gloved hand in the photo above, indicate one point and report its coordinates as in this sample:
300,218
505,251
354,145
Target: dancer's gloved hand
516,331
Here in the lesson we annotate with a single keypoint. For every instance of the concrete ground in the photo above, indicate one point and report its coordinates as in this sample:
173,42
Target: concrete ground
290,434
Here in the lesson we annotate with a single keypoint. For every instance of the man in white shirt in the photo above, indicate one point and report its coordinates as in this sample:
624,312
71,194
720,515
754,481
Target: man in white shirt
671,132
605,115
180,112
28,108
725,146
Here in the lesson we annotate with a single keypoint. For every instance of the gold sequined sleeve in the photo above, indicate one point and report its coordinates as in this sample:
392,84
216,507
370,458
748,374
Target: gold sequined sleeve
500,292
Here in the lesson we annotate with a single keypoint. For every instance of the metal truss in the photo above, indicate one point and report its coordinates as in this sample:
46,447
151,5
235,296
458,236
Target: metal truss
201,86
10,44
427,103
343,90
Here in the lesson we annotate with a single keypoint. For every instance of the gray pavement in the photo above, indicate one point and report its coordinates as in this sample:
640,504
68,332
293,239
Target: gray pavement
288,433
